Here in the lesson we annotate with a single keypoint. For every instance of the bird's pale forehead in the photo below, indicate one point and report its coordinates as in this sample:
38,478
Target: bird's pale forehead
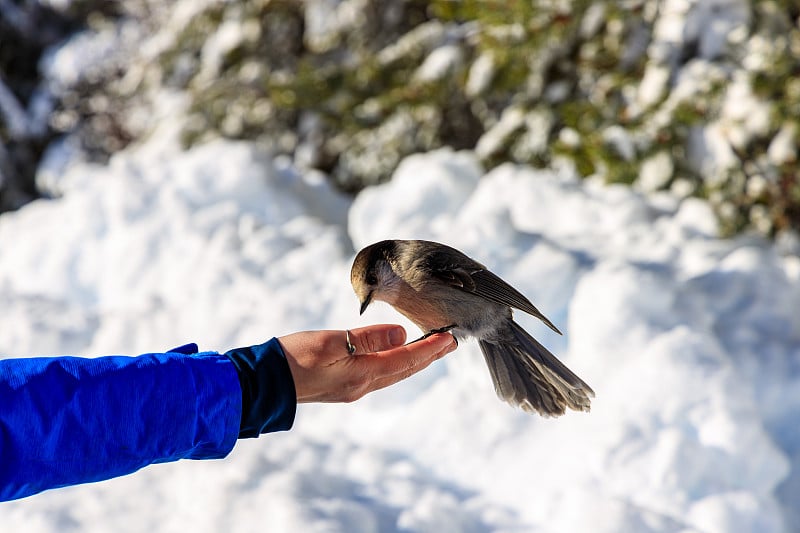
364,261
359,266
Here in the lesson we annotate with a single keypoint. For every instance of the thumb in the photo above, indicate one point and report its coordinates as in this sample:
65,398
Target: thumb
377,338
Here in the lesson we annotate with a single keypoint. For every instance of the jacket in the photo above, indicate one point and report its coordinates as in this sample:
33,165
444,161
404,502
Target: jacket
70,420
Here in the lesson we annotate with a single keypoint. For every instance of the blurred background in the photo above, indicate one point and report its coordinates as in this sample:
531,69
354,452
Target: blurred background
177,172
700,98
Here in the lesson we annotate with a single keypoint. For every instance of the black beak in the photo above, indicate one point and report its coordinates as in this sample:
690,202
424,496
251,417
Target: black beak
365,303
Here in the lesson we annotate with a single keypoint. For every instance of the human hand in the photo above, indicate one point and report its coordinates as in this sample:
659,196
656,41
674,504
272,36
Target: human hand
324,371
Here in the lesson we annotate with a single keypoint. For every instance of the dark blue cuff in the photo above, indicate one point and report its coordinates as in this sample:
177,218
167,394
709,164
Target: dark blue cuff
186,349
269,399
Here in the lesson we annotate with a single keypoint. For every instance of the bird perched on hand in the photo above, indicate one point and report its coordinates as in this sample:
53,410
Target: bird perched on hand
441,289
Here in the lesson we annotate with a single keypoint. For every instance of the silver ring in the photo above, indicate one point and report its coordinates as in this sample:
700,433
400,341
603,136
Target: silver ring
351,349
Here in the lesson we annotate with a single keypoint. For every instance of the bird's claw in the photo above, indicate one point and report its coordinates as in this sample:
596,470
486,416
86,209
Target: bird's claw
444,329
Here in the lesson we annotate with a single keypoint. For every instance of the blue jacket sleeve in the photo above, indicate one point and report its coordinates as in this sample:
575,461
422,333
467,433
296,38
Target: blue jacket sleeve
69,420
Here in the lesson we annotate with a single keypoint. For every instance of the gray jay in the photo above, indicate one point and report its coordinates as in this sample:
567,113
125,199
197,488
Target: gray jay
441,289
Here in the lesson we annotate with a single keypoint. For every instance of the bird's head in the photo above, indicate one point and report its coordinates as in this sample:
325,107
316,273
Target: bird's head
372,274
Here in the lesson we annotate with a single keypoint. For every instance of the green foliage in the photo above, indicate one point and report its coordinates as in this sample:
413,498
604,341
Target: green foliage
532,82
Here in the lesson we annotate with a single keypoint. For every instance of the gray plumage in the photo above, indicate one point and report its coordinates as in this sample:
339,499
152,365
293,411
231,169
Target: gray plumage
438,287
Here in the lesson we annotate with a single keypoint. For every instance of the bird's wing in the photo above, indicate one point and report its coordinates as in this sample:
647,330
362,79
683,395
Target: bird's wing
491,287
459,278
486,284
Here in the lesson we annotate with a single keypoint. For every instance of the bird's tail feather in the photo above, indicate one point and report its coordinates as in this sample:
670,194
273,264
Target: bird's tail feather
527,375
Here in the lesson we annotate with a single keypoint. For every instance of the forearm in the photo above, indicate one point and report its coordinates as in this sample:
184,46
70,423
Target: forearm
68,420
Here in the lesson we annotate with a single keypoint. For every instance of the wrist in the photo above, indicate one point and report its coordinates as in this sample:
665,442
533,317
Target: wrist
269,399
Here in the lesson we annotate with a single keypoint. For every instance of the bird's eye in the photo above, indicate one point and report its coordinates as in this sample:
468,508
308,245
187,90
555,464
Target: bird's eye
372,279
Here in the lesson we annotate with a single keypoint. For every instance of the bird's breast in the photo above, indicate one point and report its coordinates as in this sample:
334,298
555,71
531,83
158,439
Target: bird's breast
425,314
474,316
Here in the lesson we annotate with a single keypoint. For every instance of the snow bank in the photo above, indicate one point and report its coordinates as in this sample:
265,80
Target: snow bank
690,342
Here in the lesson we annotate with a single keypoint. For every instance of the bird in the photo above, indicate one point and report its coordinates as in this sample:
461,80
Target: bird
441,289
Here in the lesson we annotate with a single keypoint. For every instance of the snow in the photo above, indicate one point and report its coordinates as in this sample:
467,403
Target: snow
783,148
441,62
480,75
655,172
653,86
491,142
690,342
80,58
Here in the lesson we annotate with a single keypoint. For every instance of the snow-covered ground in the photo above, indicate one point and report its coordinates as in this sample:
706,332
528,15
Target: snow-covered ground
691,343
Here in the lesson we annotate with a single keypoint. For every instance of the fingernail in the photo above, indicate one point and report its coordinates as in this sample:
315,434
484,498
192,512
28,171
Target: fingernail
397,336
